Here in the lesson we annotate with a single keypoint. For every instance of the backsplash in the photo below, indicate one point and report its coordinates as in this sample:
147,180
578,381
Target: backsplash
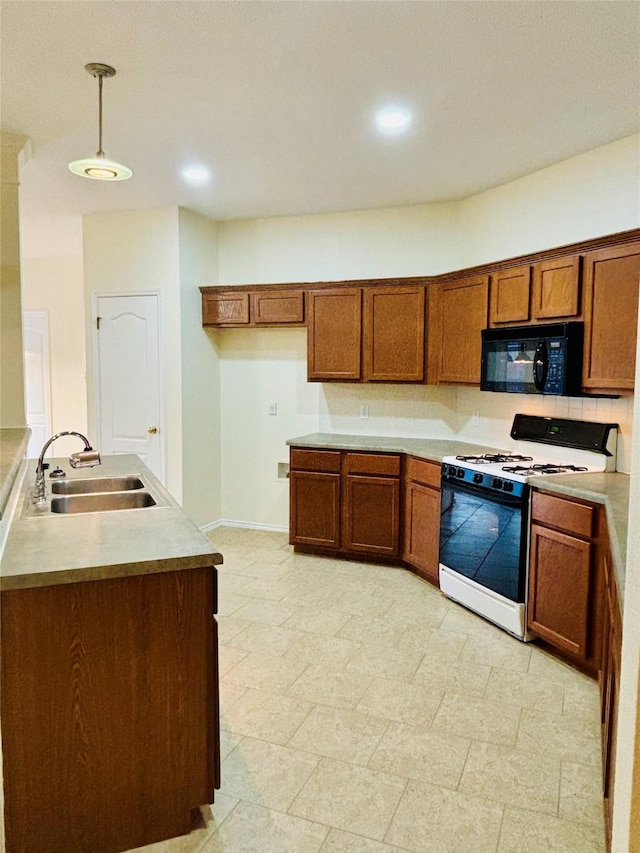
457,412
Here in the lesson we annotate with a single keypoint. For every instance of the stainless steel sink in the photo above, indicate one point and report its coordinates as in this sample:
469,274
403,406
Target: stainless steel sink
95,484
102,502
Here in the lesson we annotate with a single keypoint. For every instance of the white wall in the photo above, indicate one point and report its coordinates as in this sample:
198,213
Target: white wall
138,251
200,376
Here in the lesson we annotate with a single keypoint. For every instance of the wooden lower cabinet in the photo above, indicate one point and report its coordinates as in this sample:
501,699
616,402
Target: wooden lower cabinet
109,711
422,517
565,579
609,687
344,502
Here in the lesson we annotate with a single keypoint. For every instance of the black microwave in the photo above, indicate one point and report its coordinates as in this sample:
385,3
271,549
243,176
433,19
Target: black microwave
533,359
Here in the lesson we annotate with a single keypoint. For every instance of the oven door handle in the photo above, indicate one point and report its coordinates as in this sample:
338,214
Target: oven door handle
540,366
493,495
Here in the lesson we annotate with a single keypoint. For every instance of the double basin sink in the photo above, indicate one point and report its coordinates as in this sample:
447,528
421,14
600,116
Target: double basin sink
95,494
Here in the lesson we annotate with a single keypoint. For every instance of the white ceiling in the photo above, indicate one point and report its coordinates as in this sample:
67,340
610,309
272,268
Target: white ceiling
277,98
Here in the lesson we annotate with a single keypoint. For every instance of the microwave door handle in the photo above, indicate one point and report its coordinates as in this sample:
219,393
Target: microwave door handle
540,364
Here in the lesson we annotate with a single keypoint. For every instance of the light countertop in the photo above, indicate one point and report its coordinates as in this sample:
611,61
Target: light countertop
59,548
13,446
433,449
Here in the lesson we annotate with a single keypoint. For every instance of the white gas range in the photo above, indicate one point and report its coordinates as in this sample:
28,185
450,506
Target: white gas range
484,523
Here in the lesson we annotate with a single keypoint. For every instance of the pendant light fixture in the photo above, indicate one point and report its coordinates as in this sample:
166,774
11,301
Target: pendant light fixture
98,167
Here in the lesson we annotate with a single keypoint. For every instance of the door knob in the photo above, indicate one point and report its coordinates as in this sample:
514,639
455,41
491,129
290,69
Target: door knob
152,430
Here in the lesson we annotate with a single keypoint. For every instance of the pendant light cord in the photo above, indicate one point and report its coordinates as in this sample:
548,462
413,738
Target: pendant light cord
100,151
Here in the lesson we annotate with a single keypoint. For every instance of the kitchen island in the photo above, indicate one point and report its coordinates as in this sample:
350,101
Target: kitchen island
109,705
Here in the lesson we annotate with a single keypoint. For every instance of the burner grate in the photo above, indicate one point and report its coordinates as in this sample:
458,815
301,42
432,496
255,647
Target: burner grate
546,468
494,458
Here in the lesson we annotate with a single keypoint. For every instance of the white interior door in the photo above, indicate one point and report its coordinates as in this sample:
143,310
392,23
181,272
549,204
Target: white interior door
37,379
129,391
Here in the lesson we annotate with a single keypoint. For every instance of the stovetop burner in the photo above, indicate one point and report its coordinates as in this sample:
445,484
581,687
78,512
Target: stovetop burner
495,458
543,468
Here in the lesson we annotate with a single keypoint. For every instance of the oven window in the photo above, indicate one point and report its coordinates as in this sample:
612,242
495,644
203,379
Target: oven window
483,540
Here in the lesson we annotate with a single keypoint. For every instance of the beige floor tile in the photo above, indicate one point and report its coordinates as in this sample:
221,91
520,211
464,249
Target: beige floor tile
266,774
253,829
230,583
435,819
514,778
526,689
229,603
266,571
266,716
359,603
271,673
337,689
477,718
321,594
228,657
427,756
332,652
220,809
265,612
417,613
339,841
228,742
498,650
229,695
443,646
269,638
582,699
524,831
317,620
581,794
229,627
379,658
356,799
339,733
270,589
415,703
544,664
441,676
572,739
363,629
463,621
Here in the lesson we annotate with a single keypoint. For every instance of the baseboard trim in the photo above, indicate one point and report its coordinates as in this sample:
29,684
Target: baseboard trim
247,525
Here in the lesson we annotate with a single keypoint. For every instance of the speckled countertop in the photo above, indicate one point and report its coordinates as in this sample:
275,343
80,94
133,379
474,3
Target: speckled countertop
13,445
612,490
58,548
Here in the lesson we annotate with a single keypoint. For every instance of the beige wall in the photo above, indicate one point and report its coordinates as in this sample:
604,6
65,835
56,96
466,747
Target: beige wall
56,285
12,412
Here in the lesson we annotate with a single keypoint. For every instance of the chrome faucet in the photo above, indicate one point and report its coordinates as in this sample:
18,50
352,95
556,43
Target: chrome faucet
86,458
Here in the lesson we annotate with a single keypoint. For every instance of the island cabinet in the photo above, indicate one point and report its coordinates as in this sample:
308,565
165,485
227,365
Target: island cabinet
109,710
345,502
611,285
565,578
259,306
374,333
610,684
544,292
457,315
422,517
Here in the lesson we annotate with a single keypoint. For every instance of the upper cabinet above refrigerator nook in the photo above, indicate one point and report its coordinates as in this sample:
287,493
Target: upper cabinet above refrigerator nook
536,293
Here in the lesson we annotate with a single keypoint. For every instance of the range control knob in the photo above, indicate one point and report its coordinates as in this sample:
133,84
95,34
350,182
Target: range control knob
460,472
507,486
477,478
497,483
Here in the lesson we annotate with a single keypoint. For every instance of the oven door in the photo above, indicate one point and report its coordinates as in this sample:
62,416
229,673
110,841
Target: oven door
483,536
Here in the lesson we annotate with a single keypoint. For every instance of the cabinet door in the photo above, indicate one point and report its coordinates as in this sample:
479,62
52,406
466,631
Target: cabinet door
461,314
556,289
371,515
611,279
334,336
277,307
393,334
559,589
510,295
314,509
225,309
422,529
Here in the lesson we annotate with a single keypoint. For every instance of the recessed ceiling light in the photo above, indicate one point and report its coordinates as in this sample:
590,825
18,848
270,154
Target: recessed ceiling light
196,174
393,119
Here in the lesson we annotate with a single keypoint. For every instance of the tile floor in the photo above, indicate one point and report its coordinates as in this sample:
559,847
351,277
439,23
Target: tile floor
364,712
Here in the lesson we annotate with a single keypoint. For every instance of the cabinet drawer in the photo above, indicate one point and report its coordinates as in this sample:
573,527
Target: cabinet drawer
372,463
316,460
563,514
423,471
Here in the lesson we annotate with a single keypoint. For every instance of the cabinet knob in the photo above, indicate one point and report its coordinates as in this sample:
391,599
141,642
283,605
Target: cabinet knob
152,430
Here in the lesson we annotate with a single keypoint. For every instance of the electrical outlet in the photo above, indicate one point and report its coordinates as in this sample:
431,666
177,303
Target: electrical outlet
273,408
364,411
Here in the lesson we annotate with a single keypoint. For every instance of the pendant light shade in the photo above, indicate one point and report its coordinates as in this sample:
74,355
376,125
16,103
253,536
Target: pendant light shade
99,168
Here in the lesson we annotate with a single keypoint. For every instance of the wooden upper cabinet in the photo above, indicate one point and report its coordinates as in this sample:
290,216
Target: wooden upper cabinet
611,283
394,334
277,307
334,318
458,315
225,309
511,296
556,289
